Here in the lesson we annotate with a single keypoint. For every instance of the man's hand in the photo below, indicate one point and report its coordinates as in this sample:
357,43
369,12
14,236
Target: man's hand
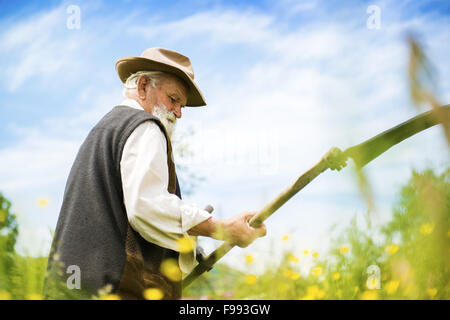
238,231
235,230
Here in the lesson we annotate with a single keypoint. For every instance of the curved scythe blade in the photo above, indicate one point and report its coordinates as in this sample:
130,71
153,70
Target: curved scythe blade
365,152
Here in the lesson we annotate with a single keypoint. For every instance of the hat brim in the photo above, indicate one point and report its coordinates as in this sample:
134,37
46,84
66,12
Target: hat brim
125,67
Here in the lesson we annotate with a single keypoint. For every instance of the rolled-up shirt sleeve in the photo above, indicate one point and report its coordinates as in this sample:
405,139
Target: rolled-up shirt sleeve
157,215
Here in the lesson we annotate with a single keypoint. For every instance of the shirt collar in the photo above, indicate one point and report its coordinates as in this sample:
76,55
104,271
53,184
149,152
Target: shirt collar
132,103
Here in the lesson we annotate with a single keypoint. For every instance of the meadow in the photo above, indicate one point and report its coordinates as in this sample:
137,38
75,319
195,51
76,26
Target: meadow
406,258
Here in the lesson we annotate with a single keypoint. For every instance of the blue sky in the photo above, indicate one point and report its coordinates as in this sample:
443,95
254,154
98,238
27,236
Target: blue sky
284,82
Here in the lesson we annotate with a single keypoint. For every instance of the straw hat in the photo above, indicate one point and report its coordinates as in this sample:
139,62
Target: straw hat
159,59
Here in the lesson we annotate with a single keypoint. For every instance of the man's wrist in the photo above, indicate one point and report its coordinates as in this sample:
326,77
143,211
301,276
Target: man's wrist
218,229
212,227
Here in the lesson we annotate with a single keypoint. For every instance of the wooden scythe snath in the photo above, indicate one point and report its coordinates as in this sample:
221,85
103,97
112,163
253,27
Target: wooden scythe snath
334,159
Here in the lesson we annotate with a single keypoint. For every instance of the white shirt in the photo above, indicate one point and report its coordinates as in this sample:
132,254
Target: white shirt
159,216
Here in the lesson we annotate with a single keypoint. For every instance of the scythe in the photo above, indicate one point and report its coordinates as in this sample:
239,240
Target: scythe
334,159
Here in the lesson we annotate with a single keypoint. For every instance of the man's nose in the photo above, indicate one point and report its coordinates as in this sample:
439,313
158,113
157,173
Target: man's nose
177,111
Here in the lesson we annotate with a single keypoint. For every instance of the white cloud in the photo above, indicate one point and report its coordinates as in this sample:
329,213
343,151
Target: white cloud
33,50
216,28
42,48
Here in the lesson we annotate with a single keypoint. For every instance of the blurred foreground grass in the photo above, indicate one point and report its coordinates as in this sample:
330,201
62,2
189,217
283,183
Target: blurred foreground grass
406,258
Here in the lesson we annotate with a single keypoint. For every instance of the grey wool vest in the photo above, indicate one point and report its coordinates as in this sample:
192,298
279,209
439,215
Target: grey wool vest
94,248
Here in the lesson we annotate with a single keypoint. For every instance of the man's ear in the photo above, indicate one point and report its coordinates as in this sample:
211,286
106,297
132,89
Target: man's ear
142,87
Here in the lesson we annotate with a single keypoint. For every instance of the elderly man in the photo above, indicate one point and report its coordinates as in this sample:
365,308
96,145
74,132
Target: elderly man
122,217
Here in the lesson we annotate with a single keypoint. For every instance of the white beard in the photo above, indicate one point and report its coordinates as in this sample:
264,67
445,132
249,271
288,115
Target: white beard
167,118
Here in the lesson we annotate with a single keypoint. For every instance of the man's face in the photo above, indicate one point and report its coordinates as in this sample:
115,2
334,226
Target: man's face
167,100
172,93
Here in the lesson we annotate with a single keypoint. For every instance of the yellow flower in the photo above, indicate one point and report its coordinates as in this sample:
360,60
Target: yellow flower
344,250
317,271
110,297
313,292
287,273
315,254
285,238
392,286
448,233
369,295
170,269
431,292
5,295
305,252
250,279
295,275
292,258
185,245
291,275
33,296
249,259
42,202
392,249
426,228
153,294
336,276
320,294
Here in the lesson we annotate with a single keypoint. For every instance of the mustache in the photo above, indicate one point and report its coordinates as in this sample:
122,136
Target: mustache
163,112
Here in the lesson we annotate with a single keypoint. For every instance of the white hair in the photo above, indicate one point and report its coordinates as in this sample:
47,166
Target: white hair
153,76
